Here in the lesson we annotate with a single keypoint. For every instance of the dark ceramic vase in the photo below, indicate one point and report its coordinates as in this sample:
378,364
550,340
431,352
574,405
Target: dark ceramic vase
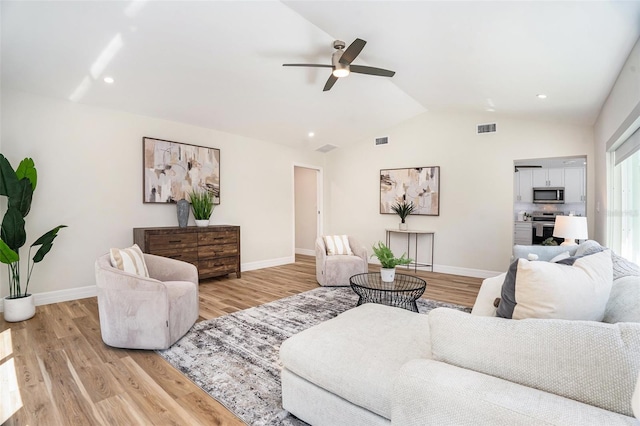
183,213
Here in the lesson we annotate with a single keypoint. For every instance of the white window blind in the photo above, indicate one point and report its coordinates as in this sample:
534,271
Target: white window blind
628,147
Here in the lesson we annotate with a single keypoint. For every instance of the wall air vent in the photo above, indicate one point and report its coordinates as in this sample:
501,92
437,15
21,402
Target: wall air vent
326,148
486,128
382,141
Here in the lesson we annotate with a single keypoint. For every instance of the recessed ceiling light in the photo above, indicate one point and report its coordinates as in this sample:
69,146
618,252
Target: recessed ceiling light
490,109
311,134
109,80
541,96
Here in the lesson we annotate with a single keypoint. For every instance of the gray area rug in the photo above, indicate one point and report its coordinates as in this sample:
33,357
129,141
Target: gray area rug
234,358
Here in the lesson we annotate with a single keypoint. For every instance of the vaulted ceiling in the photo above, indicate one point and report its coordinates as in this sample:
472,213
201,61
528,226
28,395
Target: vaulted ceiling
218,64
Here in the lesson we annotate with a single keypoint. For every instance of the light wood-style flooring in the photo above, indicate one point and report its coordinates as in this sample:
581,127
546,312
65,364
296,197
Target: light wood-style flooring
66,375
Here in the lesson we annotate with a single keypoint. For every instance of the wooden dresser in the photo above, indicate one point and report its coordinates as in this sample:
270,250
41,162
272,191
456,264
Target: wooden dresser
214,250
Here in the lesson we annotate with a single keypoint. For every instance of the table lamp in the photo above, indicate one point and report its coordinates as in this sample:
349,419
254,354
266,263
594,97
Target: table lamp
570,228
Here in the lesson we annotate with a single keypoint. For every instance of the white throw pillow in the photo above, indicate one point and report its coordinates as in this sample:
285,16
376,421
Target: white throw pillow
129,260
337,244
574,289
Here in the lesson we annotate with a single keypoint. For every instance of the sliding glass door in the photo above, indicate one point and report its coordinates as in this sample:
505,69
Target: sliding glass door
625,197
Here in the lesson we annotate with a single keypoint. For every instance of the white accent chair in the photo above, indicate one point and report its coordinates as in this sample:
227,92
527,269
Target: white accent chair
336,270
146,313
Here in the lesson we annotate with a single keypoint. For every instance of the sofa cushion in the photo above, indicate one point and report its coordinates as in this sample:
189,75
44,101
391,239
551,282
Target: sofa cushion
337,245
556,290
357,354
624,301
428,392
588,361
129,260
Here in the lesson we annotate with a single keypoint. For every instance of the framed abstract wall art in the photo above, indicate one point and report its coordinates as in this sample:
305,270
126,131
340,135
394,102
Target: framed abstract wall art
420,185
172,170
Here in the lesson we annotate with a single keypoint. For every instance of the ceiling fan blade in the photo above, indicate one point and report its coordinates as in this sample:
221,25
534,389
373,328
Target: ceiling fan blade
330,82
352,51
308,65
371,71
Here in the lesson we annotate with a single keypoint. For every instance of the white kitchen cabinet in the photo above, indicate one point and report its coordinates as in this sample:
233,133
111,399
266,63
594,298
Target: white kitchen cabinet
523,186
523,233
548,177
575,185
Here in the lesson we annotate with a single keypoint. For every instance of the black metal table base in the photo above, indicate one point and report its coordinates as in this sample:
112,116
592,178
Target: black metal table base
402,292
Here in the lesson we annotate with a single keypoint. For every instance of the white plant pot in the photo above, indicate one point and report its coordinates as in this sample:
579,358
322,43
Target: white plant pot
19,309
202,222
404,226
387,275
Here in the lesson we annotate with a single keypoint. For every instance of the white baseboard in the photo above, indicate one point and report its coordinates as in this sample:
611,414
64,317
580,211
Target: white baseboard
453,270
306,252
465,272
267,263
62,295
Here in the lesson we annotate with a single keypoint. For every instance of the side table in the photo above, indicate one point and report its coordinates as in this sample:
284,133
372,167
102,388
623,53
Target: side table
402,292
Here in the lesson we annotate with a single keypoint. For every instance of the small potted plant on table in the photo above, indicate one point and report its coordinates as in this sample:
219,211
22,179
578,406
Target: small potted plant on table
388,261
403,210
202,206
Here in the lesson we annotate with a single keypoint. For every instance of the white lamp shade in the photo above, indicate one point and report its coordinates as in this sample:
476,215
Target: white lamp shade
571,228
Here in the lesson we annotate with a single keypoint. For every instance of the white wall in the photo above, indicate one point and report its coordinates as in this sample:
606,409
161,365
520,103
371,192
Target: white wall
306,208
618,119
89,162
474,231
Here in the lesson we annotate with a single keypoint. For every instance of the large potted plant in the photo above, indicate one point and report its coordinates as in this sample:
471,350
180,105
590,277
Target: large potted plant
403,210
202,206
388,261
18,186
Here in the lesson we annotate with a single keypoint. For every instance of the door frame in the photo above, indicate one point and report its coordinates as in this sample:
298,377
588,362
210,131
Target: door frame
319,201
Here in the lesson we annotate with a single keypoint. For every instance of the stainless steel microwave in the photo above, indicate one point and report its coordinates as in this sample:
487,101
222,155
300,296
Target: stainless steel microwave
548,195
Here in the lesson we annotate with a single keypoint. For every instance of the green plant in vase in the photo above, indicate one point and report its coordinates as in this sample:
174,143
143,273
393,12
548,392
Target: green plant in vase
18,186
403,210
388,261
201,206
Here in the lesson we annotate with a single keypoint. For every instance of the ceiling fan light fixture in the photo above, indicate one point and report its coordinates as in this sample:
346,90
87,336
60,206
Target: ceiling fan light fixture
341,72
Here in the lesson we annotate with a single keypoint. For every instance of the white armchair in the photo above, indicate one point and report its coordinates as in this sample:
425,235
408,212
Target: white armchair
146,313
335,270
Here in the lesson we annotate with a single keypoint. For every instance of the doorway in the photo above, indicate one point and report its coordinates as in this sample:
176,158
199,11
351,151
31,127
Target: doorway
307,208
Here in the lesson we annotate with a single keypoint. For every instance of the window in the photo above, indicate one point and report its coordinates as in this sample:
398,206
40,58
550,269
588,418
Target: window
625,197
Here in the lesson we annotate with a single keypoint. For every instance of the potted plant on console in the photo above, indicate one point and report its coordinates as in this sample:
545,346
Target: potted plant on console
388,261
18,187
403,210
202,206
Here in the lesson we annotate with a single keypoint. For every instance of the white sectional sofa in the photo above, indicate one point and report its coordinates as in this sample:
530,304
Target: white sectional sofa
379,365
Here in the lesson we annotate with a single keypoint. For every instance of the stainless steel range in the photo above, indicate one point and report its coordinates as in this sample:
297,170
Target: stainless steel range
543,223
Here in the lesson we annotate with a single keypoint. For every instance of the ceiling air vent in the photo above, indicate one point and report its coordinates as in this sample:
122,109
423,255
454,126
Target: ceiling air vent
486,128
382,141
326,148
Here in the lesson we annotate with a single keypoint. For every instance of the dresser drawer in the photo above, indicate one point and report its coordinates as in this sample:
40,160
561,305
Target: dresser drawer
214,267
221,250
172,242
217,237
187,255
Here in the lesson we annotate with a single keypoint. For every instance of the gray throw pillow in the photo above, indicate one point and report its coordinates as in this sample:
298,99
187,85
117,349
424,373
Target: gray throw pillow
623,267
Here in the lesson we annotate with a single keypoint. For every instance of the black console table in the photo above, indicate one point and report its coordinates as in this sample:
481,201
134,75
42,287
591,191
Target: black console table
416,233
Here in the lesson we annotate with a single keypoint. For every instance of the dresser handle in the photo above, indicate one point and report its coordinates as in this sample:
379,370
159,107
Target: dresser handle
175,241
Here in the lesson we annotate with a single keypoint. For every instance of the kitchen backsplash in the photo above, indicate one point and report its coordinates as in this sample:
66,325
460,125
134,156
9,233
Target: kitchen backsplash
578,209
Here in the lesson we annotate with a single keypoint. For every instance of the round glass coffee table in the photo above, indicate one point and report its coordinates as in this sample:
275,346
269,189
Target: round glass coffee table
402,292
